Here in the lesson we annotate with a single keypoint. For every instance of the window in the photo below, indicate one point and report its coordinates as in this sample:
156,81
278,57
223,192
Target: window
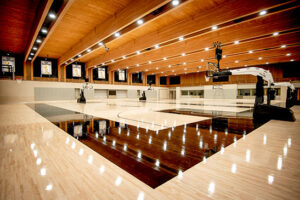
163,80
184,92
137,77
174,80
244,92
151,79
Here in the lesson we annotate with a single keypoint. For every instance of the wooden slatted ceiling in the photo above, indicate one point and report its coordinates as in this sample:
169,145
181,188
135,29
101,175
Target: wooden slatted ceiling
174,16
275,22
16,21
198,21
80,19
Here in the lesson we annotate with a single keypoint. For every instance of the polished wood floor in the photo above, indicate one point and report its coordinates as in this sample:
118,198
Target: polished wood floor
41,161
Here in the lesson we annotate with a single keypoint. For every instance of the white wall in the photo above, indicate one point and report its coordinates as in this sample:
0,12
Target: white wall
15,92
228,91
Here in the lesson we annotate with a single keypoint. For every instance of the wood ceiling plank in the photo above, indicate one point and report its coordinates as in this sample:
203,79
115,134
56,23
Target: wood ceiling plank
135,10
276,22
197,22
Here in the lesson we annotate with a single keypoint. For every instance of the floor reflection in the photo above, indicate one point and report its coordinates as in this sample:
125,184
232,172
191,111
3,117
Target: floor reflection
154,157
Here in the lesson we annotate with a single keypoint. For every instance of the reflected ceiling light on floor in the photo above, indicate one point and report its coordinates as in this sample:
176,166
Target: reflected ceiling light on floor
181,38
250,51
263,12
39,41
100,43
279,163
140,21
118,181
117,34
270,179
52,15
180,174
283,46
288,54
43,171
211,188
233,168
236,42
156,46
175,2
206,49
101,169
141,196
49,187
214,27
275,34
248,155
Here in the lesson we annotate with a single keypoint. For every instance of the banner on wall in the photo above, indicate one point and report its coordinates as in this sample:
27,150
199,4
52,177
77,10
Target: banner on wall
46,67
121,75
8,64
76,70
101,73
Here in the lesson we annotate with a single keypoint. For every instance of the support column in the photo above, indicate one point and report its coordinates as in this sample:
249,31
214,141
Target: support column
144,79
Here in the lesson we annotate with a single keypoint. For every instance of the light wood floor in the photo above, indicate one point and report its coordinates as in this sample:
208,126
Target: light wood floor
40,161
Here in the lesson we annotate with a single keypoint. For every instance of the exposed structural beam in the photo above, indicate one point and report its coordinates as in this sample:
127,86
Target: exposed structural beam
59,18
242,32
37,27
195,23
131,13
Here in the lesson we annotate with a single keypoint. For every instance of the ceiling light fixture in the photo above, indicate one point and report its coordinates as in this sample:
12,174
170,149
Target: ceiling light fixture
52,15
44,30
165,58
263,12
156,46
140,21
250,51
117,34
39,41
292,60
175,2
88,50
214,27
29,58
184,63
34,48
138,65
181,38
260,58
31,54
149,61
288,54
283,46
224,56
206,49
123,57
79,55
138,52
236,42
236,61
275,34
100,43
183,54
169,66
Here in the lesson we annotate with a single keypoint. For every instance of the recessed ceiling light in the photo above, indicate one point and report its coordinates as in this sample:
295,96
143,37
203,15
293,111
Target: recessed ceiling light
79,55
162,72
236,61
292,60
173,71
165,58
52,15
88,50
245,65
34,48
100,43
288,54
127,67
224,56
175,2
156,46
260,58
184,68
44,30
263,12
149,61
31,53
156,68
138,65
283,46
236,42
169,66
275,34
123,57
175,74
117,34
29,58
267,63
146,70
214,27
38,41
206,49
140,21
72,59
183,54
184,63
102,64
250,51
181,38
138,52
202,60
112,60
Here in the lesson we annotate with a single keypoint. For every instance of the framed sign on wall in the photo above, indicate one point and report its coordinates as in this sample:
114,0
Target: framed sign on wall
121,75
76,70
46,67
8,64
101,73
